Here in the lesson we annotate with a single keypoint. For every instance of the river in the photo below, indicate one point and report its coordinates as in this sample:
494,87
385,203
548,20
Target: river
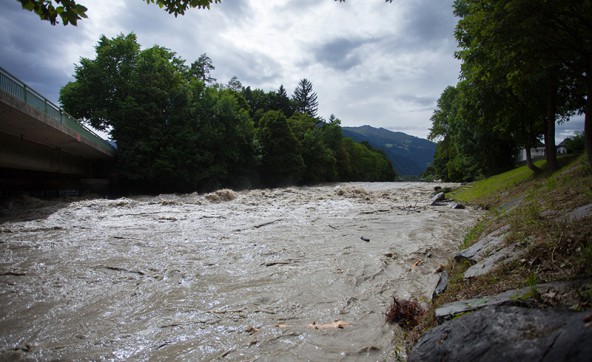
238,276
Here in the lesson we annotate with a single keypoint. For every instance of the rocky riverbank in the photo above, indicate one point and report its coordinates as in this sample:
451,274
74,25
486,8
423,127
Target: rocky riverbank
521,289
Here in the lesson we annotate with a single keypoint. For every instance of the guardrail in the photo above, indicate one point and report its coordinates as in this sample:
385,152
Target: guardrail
13,86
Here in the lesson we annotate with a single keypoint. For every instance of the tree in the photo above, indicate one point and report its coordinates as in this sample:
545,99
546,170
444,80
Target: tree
70,11
150,126
282,102
201,69
235,84
530,46
102,85
305,99
469,145
173,132
281,161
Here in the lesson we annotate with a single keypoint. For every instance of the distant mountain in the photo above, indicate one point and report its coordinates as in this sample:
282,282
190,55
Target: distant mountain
409,155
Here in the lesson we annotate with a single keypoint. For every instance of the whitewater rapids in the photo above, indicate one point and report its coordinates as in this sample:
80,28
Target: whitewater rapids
250,275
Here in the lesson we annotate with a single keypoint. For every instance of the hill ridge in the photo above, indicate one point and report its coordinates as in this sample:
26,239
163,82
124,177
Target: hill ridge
410,155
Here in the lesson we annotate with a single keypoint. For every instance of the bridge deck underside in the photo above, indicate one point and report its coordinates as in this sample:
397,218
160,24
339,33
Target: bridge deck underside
27,123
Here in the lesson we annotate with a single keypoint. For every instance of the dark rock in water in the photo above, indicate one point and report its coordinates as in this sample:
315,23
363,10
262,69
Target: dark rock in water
457,206
442,284
508,333
438,197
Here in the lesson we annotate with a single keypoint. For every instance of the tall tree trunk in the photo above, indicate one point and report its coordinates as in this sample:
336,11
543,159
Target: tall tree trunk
550,149
529,162
588,114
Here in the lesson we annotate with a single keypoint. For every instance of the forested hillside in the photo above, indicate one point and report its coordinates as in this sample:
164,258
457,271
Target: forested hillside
409,155
178,130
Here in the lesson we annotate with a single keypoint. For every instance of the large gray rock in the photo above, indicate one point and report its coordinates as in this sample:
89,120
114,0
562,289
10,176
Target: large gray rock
532,296
509,333
436,199
496,259
484,247
578,214
450,310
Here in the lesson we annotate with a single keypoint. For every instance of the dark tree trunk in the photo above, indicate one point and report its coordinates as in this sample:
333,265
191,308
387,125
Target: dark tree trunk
588,114
550,150
529,162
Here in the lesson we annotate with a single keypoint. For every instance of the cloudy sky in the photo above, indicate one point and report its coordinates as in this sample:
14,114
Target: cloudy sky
370,62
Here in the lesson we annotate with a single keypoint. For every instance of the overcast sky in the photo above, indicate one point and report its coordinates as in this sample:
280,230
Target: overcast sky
370,62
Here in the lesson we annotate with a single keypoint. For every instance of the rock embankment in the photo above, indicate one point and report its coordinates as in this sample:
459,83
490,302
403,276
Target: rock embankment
519,324
510,333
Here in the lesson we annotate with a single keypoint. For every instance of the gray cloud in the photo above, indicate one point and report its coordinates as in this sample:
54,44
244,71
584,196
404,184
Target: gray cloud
429,22
341,53
36,55
370,62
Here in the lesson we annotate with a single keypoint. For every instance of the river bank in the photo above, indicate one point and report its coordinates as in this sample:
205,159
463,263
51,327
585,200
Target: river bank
521,287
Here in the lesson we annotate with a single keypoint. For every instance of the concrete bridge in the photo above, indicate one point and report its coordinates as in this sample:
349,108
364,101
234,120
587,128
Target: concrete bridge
43,150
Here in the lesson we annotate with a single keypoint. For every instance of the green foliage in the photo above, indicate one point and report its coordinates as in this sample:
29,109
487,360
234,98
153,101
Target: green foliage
304,99
178,7
281,160
68,10
176,130
468,147
524,68
576,144
473,234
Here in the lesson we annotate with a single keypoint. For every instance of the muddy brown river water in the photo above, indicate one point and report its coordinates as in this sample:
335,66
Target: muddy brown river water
252,275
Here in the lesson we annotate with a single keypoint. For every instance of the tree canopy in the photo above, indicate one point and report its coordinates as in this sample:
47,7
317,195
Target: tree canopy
178,131
526,66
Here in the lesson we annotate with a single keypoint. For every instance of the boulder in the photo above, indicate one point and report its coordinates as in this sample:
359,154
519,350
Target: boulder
457,206
511,297
580,213
436,199
484,247
509,333
496,259
439,196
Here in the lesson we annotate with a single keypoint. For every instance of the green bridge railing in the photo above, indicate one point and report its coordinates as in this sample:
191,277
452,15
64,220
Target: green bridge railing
13,86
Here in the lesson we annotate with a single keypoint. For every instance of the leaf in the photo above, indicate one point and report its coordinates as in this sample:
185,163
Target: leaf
28,5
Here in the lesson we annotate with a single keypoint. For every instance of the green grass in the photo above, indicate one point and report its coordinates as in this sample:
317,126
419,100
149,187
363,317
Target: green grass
484,190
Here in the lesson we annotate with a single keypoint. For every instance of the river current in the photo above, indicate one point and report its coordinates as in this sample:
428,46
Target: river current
303,273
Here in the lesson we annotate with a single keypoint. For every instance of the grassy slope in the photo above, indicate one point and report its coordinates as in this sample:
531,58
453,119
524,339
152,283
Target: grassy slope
534,207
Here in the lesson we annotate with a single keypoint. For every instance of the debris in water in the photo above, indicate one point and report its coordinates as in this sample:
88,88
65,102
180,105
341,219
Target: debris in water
405,313
365,239
336,324
251,330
